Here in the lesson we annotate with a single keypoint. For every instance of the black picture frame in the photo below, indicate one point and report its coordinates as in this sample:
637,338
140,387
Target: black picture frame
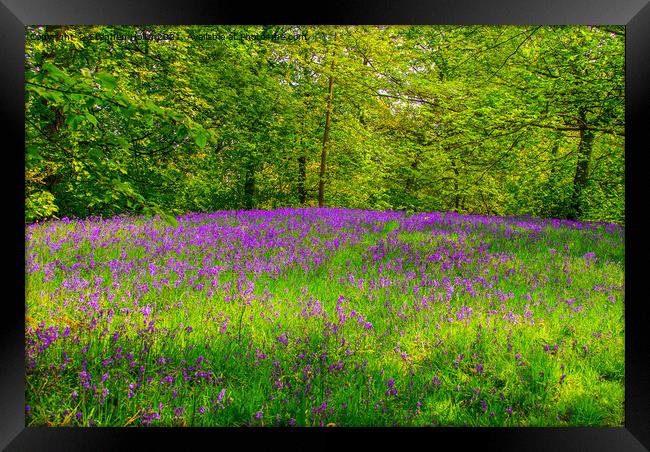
16,14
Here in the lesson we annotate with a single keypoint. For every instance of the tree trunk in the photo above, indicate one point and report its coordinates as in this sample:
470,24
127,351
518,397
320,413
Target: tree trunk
410,180
59,118
53,127
323,154
582,171
249,187
456,186
302,169
302,176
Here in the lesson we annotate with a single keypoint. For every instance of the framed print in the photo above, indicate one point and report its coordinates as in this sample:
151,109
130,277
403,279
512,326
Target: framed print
363,223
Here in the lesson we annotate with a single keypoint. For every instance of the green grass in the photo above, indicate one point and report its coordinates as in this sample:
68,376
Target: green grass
501,314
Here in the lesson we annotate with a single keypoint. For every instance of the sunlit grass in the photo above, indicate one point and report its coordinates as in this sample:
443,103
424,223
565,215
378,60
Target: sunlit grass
314,316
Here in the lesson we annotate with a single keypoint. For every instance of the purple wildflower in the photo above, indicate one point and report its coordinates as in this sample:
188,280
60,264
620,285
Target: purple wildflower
392,391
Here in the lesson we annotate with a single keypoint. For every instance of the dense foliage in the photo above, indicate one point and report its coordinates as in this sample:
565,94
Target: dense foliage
312,317
506,120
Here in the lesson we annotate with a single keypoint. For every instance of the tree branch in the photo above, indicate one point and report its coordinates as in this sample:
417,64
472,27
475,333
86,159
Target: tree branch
511,54
77,92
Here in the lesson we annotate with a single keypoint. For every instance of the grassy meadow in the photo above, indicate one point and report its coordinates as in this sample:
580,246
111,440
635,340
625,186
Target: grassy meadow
317,317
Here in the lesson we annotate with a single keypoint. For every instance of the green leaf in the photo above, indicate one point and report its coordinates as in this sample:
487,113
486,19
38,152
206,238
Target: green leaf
31,152
73,121
107,80
54,71
182,131
151,106
169,219
52,96
30,74
91,118
95,154
201,139
166,217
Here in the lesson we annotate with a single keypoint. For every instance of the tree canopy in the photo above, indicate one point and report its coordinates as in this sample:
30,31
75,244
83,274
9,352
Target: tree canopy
499,120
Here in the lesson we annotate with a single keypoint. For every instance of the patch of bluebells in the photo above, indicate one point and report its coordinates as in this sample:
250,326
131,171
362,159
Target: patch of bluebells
392,390
120,280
